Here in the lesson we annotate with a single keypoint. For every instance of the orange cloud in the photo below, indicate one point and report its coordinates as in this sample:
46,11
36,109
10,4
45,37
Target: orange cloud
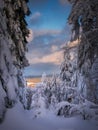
46,32
54,48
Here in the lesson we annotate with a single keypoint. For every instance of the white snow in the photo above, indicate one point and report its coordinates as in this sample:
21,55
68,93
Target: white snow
19,119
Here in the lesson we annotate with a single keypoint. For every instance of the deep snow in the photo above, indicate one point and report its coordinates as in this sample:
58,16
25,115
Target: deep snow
19,119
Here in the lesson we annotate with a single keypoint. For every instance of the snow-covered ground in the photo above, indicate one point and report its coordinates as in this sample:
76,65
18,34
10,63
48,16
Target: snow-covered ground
19,119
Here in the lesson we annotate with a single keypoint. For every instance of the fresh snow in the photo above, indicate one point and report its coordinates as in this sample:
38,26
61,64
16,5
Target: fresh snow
19,119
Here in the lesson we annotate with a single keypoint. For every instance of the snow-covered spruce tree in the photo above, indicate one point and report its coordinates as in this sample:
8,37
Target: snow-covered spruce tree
44,78
13,42
69,73
84,18
69,65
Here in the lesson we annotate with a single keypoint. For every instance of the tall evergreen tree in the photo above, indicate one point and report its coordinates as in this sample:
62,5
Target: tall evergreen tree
84,18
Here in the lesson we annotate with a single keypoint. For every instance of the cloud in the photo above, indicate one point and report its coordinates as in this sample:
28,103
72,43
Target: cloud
36,19
54,58
55,35
54,48
38,69
46,32
42,33
64,2
46,47
45,39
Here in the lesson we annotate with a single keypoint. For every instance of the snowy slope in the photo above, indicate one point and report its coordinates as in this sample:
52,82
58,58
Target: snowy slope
19,119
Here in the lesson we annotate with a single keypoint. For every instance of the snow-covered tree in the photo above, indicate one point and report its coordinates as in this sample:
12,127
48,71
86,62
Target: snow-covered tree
44,78
13,33
84,17
69,65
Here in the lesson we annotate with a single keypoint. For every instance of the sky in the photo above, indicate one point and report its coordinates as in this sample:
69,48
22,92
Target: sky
49,32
